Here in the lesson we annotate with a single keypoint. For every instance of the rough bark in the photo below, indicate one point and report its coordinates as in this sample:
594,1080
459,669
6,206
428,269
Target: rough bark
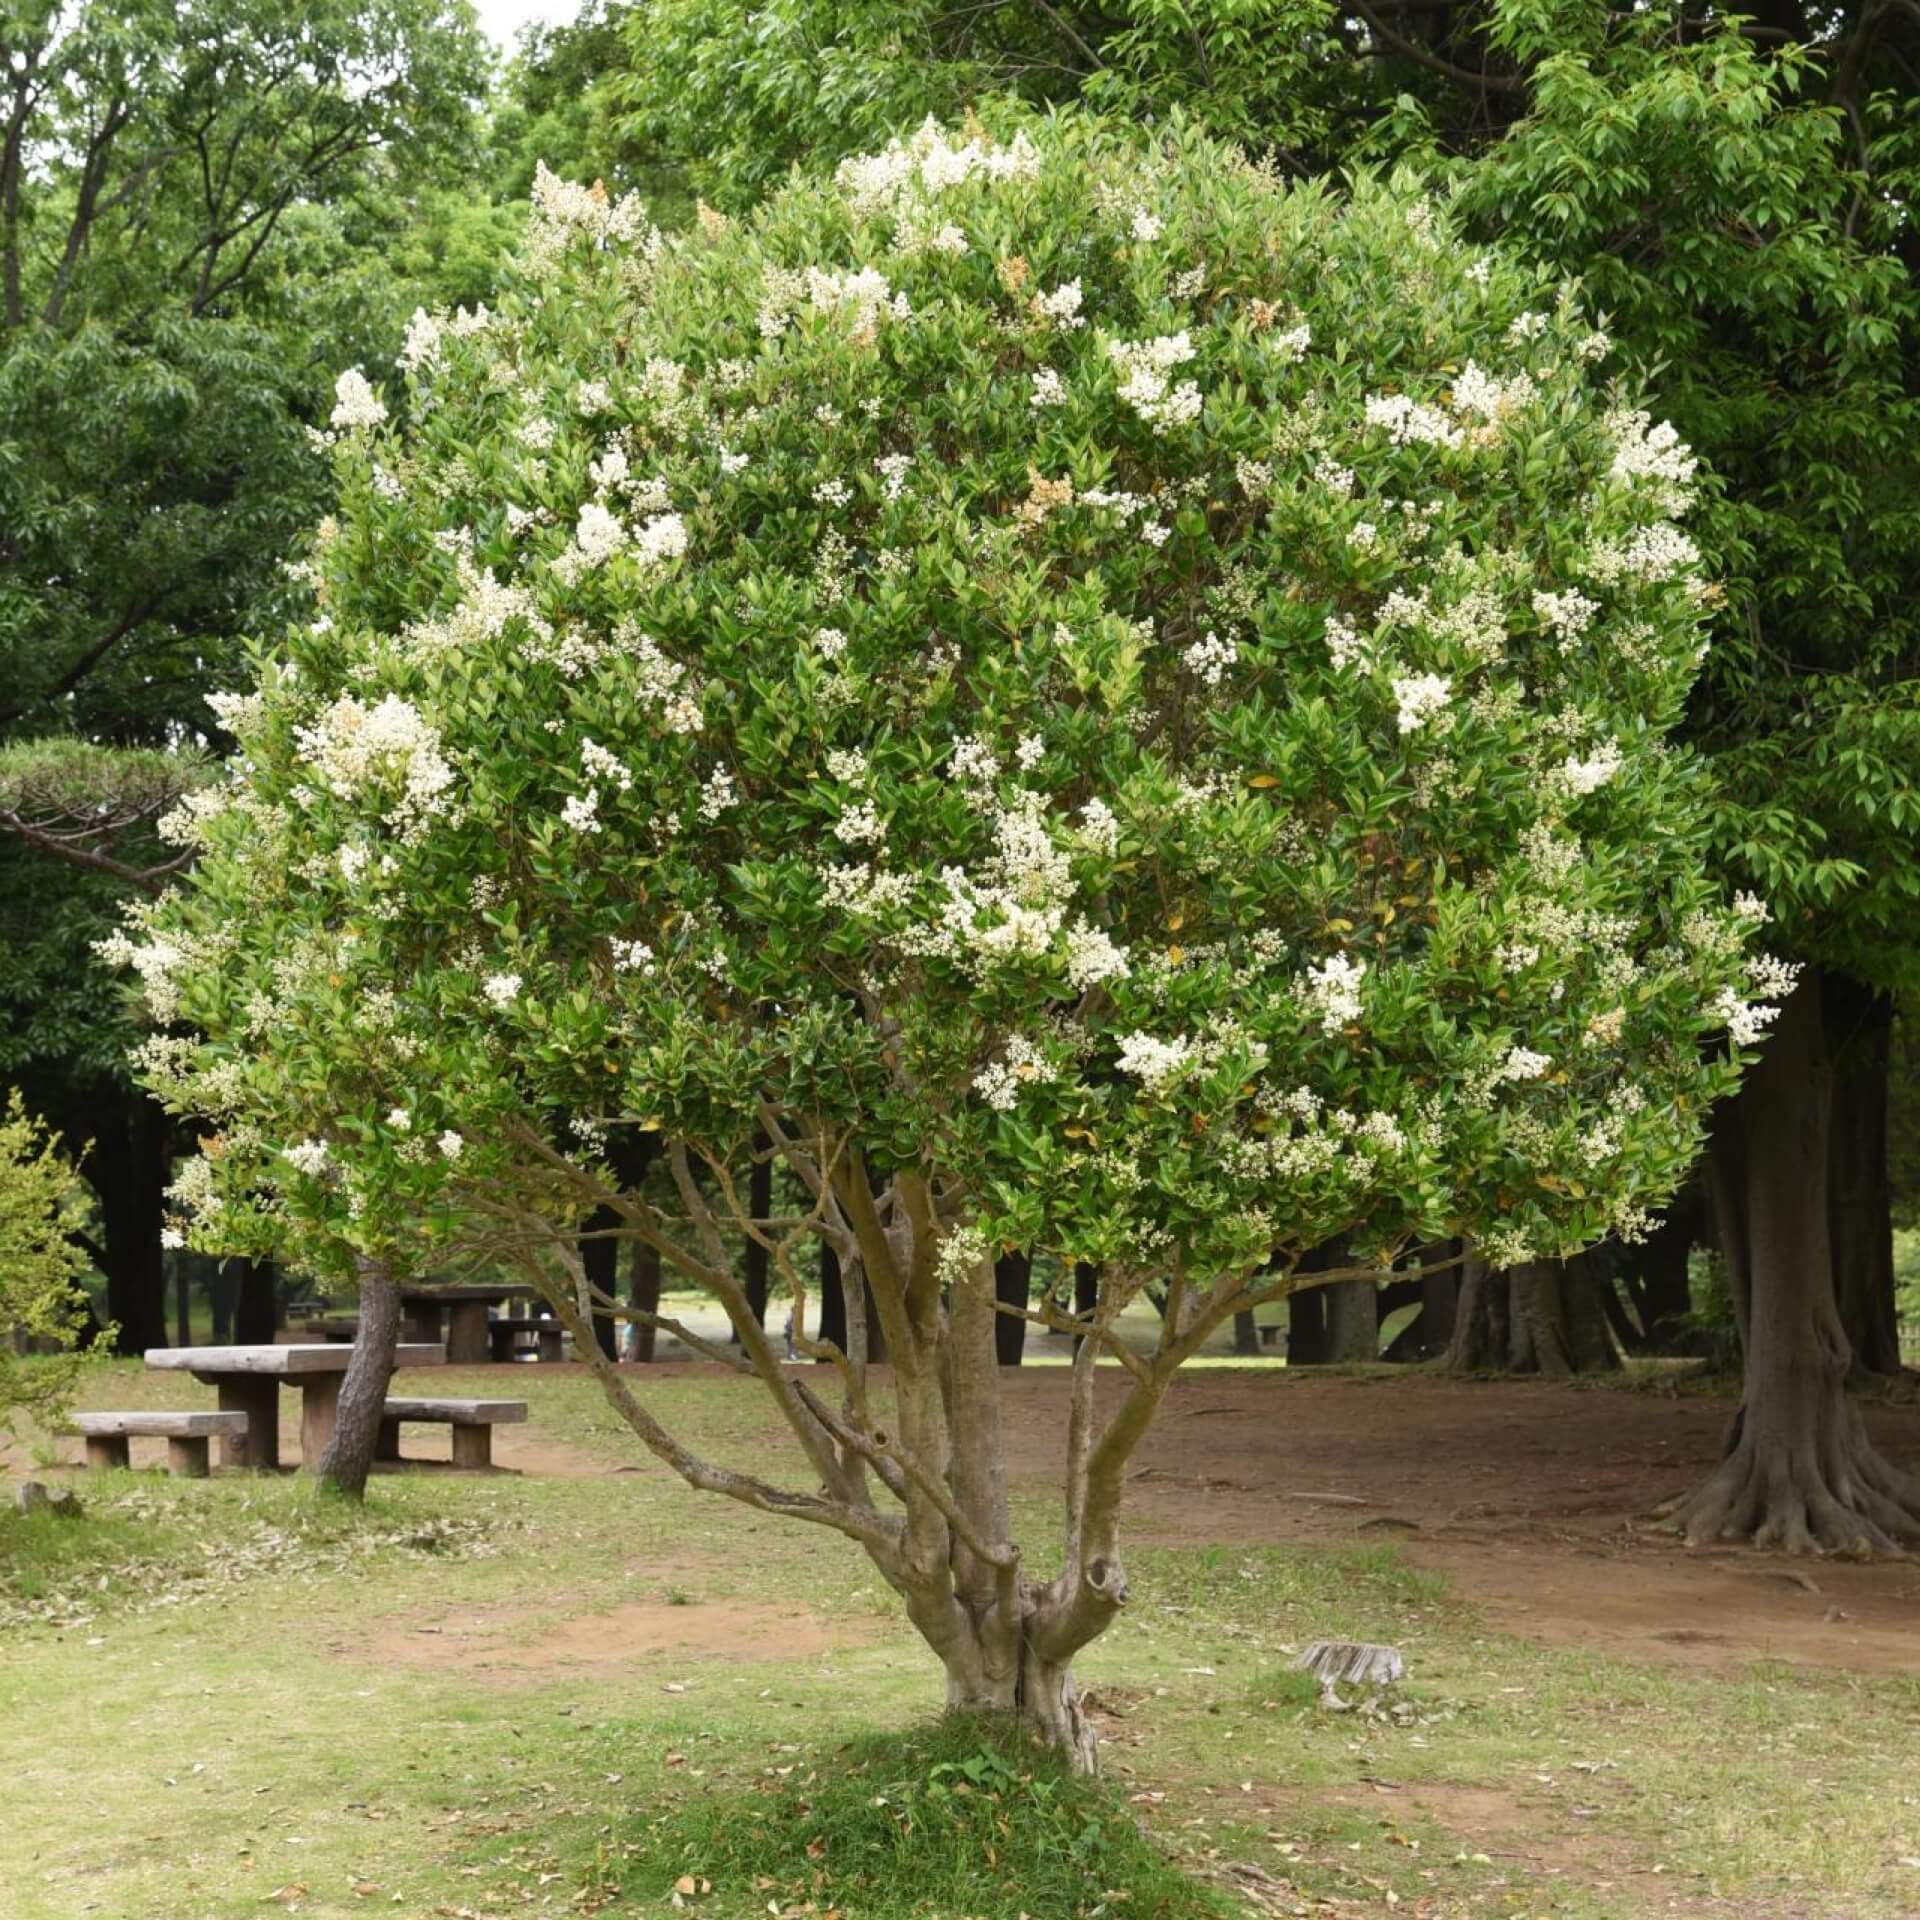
1799,1470
1859,1025
1353,1321
348,1456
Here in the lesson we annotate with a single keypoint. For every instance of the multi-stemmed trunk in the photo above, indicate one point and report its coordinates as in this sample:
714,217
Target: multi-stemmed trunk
909,1463
347,1458
1799,1470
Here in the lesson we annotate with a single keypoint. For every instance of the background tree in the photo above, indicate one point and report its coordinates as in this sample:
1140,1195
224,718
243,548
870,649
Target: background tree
193,208
42,1309
1096,704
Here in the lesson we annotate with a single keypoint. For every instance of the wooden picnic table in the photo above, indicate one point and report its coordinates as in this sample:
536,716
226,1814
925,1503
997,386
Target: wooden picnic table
248,1381
466,1315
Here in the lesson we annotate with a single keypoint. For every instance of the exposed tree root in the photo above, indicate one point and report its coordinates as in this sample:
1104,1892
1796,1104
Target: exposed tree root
1838,1497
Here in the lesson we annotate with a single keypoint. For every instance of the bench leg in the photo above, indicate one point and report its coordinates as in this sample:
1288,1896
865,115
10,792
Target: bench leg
387,1447
187,1455
259,1399
473,1446
319,1404
552,1343
107,1450
422,1325
467,1333
500,1339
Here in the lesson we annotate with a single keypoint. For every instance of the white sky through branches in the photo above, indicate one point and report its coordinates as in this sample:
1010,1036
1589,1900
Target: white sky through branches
503,19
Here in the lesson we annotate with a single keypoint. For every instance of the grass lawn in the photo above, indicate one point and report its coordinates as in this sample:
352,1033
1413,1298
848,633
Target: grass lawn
564,1692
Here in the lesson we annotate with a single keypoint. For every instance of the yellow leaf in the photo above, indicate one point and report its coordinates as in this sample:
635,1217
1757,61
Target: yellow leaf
1264,780
1175,955
1175,922
1339,926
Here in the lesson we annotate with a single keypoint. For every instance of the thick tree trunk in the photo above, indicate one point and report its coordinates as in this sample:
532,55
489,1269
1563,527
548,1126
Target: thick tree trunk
1246,1336
833,1301
347,1458
1800,1471
1012,1287
1859,1026
600,1260
128,1170
1353,1320
1039,1694
256,1309
1307,1327
1544,1317
643,1289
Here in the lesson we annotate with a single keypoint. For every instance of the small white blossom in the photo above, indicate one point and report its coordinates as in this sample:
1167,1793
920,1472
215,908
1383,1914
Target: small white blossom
355,404
1421,697
501,988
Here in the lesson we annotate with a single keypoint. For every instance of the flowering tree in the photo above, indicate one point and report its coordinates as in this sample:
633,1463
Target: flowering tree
1088,701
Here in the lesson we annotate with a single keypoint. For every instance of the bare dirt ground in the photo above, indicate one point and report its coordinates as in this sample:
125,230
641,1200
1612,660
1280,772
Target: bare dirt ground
1536,1497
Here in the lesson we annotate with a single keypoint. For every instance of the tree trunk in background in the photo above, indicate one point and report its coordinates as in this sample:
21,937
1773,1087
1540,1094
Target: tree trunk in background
256,1308
347,1458
1307,1328
643,1290
223,1296
128,1170
600,1258
1859,1025
1246,1335
182,1302
760,1202
1800,1471
1653,1276
1012,1287
1545,1317
1353,1320
833,1301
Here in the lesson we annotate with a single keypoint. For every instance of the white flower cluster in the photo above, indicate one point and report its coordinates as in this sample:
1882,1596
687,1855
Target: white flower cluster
1422,697
563,210
663,683
1209,658
1155,1063
1061,307
1408,422
351,746
1644,451
1021,1064
1093,957
1146,372
310,1157
930,164
1577,778
631,956
1330,991
1566,615
355,404
1049,390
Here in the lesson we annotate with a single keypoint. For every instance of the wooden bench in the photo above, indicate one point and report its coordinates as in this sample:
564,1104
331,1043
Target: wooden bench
504,1334
188,1436
472,1421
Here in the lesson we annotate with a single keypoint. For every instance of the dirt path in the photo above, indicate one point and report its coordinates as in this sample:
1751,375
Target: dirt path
1534,1496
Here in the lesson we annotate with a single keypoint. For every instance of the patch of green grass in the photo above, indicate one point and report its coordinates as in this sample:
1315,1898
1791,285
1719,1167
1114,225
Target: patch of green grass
960,1816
